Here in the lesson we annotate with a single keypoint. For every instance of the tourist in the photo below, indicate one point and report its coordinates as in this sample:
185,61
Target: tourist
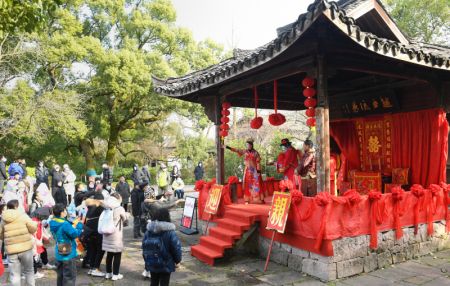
146,174
307,169
91,184
123,189
15,168
161,248
81,193
137,176
174,174
16,230
253,185
46,195
58,191
94,240
113,243
69,183
107,175
15,190
178,186
199,171
36,202
162,179
41,173
23,166
3,173
65,234
137,198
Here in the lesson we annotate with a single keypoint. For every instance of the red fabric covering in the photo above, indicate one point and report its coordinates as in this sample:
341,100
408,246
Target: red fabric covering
344,133
420,143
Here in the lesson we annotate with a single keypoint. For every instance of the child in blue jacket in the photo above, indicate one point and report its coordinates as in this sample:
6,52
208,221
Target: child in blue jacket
64,234
161,248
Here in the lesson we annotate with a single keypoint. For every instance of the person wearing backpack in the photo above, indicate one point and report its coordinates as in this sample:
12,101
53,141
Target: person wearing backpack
161,248
65,234
112,228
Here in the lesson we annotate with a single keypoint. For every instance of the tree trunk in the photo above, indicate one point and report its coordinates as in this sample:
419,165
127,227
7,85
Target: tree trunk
88,153
113,142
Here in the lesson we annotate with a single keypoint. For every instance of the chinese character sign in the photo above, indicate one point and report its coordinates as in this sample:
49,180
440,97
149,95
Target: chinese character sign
188,212
279,210
212,204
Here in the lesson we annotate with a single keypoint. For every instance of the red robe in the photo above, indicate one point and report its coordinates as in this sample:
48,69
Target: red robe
287,163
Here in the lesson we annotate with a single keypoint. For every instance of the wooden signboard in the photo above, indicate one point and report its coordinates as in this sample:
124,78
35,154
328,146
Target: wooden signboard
189,211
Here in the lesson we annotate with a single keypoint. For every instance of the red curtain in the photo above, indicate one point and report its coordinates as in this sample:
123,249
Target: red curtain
420,143
344,133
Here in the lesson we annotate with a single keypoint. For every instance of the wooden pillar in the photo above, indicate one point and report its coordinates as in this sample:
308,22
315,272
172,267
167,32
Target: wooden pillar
220,158
323,128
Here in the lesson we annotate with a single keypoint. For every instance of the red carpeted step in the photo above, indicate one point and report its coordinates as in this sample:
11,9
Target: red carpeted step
233,224
243,216
225,234
215,243
205,254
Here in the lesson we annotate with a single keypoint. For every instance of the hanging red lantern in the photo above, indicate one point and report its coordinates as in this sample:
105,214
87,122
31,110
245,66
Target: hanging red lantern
308,82
310,102
223,133
311,112
225,112
311,122
226,105
309,92
257,121
276,119
224,126
224,120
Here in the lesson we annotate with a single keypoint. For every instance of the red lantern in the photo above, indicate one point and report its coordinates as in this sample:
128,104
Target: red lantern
225,120
226,105
224,126
277,119
223,133
310,112
256,123
310,102
309,92
311,122
225,112
308,82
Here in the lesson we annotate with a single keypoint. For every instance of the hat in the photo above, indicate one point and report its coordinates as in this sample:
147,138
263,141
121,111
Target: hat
285,142
250,141
309,143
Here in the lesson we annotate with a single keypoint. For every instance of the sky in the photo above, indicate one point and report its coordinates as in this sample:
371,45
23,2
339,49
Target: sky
245,24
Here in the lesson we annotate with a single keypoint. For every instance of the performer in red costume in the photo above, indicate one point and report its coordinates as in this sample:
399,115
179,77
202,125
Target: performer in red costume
287,161
252,174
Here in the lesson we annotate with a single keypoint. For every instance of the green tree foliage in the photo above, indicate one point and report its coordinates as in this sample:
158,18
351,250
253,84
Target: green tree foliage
425,20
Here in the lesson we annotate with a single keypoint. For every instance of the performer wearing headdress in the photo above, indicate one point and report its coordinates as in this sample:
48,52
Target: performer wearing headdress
287,161
252,174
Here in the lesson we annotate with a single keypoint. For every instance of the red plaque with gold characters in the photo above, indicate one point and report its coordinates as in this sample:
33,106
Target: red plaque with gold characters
212,204
279,210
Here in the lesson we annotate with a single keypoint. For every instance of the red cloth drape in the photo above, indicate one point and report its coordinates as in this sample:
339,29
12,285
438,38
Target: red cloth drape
420,143
344,133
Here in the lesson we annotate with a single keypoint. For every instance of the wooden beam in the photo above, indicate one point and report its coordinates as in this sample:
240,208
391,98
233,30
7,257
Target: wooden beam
323,128
282,70
391,85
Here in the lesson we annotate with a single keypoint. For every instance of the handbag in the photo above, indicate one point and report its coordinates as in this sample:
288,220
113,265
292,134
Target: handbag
64,248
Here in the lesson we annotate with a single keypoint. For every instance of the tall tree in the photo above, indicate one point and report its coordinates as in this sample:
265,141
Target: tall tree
425,20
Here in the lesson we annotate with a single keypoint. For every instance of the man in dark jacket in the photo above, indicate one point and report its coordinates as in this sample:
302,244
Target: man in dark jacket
146,174
107,175
41,174
137,198
3,174
94,240
123,189
137,176
23,165
199,171
57,186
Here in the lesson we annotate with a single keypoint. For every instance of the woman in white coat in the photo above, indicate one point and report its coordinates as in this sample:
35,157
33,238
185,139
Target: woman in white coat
69,183
113,243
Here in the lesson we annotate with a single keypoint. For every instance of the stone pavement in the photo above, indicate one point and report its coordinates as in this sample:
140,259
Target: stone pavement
240,270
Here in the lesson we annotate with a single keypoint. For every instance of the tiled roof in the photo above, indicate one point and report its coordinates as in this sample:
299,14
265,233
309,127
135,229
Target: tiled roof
243,60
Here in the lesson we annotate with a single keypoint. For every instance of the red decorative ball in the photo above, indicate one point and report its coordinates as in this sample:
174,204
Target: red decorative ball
309,92
225,112
224,119
311,122
308,82
223,133
310,102
310,112
224,126
256,122
226,105
277,119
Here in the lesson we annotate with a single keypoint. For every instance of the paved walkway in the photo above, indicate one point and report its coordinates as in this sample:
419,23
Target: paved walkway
429,270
